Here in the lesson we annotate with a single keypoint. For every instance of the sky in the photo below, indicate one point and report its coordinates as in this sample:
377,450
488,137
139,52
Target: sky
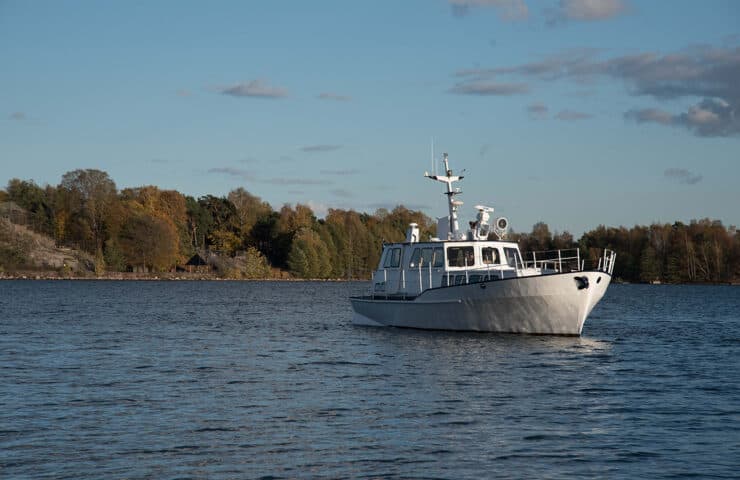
573,112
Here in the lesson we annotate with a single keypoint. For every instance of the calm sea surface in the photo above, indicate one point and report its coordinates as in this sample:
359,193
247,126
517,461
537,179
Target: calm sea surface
247,380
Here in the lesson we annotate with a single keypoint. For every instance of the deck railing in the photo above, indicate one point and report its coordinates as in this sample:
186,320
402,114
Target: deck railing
563,260
569,260
548,261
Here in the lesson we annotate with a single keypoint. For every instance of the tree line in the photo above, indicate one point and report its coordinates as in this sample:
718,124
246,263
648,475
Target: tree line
150,229
702,251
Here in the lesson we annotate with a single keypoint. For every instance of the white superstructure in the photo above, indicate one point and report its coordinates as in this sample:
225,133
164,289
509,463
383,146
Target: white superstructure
463,281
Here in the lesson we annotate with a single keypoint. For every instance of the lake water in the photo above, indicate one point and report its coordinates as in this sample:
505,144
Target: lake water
105,379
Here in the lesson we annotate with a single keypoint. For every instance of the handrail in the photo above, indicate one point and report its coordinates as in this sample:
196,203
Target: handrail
570,258
549,261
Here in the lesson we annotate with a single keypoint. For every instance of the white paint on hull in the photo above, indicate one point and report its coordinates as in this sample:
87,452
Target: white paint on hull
543,304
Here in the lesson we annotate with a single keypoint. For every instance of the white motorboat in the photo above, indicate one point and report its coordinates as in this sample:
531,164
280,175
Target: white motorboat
461,280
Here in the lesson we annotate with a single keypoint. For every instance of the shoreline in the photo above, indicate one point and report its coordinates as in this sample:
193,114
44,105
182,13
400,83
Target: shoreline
194,277
158,277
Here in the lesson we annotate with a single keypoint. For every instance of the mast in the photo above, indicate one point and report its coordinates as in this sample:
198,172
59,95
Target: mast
448,179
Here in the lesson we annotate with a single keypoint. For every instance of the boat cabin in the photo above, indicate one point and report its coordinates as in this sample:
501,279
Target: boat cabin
411,267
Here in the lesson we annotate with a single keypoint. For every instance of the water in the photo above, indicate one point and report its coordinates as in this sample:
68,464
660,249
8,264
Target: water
246,380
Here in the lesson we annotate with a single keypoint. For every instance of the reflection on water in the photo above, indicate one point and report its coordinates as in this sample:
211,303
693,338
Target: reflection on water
234,380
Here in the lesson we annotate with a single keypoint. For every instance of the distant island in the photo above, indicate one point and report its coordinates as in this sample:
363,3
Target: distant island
86,228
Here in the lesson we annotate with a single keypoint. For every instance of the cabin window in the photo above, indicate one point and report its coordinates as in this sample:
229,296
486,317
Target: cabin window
460,256
490,256
422,257
439,258
393,258
414,262
512,257
426,257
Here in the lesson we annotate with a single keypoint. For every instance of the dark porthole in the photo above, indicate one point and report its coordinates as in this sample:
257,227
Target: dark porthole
598,280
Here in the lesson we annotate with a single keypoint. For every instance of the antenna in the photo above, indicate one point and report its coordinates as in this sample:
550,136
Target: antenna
434,164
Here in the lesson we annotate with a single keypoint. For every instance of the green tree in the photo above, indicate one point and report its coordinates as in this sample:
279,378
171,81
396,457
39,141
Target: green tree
649,266
309,257
255,264
35,200
222,233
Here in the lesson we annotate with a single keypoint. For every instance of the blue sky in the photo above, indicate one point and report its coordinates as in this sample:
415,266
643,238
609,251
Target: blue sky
573,112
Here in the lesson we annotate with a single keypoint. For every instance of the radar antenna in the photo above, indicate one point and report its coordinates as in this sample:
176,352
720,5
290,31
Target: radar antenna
448,179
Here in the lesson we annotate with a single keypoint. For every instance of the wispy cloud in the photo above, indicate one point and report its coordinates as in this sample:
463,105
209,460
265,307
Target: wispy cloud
183,93
348,171
391,206
585,10
295,181
707,72
489,88
18,116
708,118
341,192
255,88
508,10
569,63
249,176
537,110
320,148
683,176
334,96
572,115
233,172
159,160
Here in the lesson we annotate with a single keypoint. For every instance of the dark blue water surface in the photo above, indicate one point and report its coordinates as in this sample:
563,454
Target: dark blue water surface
251,379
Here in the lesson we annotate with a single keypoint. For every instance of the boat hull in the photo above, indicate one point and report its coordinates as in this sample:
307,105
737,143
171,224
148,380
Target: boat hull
555,304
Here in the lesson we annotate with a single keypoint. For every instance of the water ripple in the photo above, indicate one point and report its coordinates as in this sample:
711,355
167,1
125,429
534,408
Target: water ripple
270,380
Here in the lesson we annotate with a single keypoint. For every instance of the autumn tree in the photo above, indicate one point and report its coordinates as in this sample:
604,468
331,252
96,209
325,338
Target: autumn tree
149,241
169,206
249,210
95,194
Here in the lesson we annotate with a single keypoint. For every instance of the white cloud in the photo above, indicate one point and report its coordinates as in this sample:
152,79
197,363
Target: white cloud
319,209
